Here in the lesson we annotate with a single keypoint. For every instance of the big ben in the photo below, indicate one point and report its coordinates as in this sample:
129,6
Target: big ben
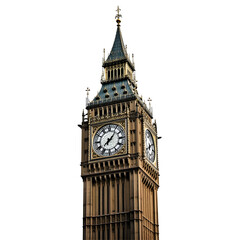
119,160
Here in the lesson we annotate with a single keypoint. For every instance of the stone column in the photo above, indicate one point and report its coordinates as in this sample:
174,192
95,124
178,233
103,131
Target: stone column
87,207
156,233
134,205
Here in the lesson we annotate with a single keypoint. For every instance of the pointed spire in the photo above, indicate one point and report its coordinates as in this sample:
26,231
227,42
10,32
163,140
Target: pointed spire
103,59
87,99
119,51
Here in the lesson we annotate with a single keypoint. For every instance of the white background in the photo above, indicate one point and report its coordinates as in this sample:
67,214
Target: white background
187,57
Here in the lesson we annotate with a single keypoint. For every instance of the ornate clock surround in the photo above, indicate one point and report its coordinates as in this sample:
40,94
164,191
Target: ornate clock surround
93,130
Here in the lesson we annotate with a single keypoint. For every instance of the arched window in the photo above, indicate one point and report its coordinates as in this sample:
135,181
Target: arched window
119,108
123,107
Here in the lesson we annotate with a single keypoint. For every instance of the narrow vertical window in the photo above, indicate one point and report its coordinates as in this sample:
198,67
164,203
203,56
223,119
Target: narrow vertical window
123,107
119,73
98,200
108,74
118,197
122,72
108,198
118,232
108,233
113,230
115,73
103,233
123,197
103,200
111,74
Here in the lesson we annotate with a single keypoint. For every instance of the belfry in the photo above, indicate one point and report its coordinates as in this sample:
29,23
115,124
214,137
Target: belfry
119,160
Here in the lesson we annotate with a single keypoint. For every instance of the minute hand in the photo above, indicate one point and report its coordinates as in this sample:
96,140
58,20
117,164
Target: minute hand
111,137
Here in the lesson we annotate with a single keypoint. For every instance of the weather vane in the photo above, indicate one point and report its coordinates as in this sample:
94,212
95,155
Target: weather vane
118,16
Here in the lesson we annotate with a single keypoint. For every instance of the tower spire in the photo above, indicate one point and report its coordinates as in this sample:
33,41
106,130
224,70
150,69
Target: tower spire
119,51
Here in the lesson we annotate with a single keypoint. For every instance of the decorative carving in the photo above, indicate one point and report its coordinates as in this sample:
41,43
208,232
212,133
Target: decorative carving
102,119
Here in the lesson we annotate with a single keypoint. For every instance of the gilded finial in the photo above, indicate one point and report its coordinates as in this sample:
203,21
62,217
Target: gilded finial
118,16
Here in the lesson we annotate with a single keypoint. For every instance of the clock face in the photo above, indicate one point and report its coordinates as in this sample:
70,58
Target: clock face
150,147
109,140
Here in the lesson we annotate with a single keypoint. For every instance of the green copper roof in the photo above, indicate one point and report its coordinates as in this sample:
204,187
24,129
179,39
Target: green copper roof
118,50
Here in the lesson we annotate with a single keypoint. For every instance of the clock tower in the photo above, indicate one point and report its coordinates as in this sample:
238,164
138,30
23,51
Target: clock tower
119,162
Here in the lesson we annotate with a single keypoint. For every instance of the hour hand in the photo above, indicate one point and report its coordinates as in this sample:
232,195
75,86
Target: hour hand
108,140
106,143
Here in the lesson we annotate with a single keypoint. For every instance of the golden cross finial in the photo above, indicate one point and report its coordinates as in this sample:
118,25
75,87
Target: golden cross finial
118,16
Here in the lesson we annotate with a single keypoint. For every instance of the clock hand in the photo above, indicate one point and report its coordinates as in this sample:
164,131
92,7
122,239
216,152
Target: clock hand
106,142
109,139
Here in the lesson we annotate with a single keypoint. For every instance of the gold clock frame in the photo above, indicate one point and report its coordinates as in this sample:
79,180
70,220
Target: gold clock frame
94,129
